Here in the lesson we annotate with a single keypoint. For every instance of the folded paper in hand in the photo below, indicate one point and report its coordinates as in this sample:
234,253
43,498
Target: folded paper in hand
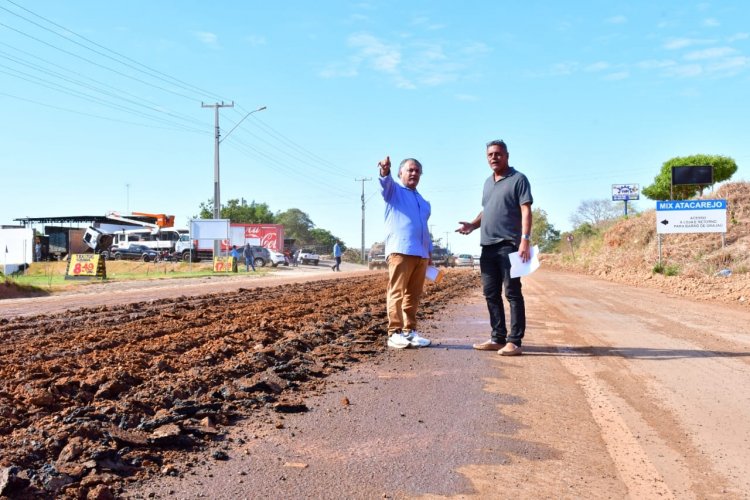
434,274
519,268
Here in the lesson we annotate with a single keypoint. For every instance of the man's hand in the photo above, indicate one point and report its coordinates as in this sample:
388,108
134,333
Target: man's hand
385,166
466,227
524,250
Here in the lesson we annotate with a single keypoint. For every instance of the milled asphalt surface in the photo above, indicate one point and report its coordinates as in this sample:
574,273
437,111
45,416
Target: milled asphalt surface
399,426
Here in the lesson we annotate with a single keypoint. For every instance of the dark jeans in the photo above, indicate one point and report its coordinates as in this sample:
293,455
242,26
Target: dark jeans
495,269
337,265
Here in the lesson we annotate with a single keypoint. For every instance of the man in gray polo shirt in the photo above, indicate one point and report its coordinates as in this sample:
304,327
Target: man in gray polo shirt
505,227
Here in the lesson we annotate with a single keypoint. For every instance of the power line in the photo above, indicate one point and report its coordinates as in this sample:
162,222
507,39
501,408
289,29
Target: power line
46,73
303,160
94,63
284,168
285,140
91,115
91,50
172,79
85,96
115,93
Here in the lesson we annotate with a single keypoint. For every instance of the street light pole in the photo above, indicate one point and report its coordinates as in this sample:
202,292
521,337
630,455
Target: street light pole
217,186
217,135
217,141
363,215
243,119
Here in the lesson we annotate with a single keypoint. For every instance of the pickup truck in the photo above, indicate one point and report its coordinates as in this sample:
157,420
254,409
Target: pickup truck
377,261
307,256
442,257
376,257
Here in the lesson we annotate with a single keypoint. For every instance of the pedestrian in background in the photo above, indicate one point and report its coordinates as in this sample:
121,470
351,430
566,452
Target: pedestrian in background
505,223
235,254
337,256
408,246
247,252
287,257
295,257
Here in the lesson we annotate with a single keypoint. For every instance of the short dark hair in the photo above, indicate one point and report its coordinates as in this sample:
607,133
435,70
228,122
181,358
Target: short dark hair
498,142
405,160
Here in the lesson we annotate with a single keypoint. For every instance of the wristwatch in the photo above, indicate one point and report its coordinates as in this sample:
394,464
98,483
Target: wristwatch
526,236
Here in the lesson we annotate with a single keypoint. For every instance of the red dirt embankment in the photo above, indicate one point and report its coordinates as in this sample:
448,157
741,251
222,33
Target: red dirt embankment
629,250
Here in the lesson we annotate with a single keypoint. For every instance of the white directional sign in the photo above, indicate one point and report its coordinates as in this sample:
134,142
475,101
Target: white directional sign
691,216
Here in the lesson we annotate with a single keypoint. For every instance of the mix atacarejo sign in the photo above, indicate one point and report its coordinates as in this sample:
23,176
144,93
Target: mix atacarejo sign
691,216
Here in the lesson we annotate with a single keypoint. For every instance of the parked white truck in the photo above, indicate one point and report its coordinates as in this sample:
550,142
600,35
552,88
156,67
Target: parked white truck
124,230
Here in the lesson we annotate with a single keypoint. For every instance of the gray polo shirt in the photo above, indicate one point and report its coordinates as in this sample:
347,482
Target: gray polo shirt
501,212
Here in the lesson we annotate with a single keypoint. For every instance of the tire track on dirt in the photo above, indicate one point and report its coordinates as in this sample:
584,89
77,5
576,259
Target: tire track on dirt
635,378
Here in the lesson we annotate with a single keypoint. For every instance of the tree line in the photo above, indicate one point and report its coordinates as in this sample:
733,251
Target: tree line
588,219
297,224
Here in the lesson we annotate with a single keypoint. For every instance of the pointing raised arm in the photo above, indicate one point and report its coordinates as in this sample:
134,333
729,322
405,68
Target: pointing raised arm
385,166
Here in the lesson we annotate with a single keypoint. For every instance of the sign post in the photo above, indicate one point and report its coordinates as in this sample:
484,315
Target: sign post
690,216
625,192
570,243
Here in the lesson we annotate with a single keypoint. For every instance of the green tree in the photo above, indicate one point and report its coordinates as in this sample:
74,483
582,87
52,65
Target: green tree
324,238
235,211
543,233
724,169
297,225
254,213
206,210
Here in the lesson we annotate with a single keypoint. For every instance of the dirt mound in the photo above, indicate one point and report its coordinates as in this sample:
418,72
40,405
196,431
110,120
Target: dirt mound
95,395
629,252
11,290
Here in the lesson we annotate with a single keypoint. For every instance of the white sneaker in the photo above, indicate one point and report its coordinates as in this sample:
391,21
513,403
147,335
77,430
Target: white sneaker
398,340
416,340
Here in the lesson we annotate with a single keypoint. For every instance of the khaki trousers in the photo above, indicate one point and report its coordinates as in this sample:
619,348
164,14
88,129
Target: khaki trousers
406,275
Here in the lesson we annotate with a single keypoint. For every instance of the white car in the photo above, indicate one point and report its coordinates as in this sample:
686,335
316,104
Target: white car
277,258
465,260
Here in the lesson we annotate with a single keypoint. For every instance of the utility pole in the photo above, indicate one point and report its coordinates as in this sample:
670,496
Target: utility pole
217,193
363,214
127,198
446,239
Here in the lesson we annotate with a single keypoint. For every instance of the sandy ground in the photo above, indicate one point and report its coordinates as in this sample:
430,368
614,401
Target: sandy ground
622,392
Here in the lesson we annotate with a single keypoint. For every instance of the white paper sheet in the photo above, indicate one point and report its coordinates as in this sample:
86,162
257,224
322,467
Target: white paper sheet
434,274
518,268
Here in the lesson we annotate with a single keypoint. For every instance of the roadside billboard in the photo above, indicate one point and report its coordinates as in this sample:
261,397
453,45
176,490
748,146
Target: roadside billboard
625,192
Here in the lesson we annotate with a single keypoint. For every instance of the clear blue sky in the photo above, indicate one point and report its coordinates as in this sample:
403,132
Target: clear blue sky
102,102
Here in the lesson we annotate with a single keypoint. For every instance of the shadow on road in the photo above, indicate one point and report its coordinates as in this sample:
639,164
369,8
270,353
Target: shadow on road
627,352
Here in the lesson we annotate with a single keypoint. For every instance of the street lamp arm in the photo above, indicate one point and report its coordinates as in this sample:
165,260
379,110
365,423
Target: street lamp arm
238,123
